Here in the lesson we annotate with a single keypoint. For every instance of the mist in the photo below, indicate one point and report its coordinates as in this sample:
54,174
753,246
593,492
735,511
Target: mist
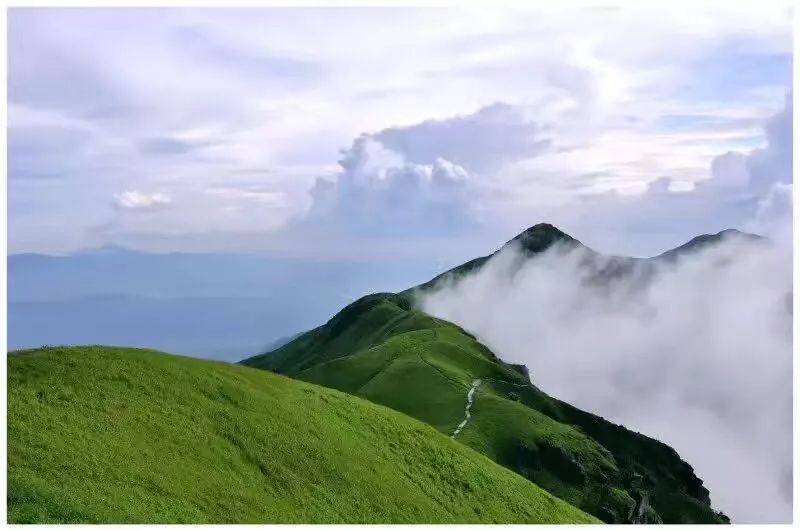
696,352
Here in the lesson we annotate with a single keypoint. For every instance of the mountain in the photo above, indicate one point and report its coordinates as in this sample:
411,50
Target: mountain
383,348
528,244
544,236
703,241
120,435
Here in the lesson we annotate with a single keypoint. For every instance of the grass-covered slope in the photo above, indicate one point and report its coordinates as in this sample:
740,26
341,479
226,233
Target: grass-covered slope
114,435
383,349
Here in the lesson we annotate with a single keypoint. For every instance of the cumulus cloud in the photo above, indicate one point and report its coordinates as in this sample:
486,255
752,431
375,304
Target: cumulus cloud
774,212
773,163
137,200
440,178
698,355
749,190
482,141
425,180
567,80
768,175
759,170
378,192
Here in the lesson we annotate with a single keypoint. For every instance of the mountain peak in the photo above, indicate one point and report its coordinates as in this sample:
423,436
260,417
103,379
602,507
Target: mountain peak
541,236
703,240
738,233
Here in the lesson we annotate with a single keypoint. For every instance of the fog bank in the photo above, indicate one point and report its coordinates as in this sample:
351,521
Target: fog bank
697,355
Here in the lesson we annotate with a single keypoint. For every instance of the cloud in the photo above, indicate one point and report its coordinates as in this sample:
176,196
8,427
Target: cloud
36,68
384,187
734,194
773,163
136,200
379,193
263,67
774,213
761,180
421,181
169,146
699,356
761,168
482,141
560,94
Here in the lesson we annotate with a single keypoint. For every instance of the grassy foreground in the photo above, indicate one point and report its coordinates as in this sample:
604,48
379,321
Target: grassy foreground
118,435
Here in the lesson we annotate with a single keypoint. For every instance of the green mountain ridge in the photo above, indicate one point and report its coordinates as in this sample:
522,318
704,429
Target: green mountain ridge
544,236
120,435
382,348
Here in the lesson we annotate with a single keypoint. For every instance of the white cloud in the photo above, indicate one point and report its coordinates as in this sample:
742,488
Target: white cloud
137,200
379,193
482,141
774,213
654,214
699,357
142,103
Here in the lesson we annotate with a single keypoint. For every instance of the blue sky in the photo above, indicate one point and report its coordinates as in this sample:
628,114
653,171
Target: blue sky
333,133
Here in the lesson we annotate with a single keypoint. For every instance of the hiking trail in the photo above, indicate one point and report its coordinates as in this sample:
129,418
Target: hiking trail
467,416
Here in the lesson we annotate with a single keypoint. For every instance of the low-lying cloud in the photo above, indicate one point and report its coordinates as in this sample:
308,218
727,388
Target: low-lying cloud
696,353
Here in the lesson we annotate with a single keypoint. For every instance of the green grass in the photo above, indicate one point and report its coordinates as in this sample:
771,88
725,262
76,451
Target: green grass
116,435
383,349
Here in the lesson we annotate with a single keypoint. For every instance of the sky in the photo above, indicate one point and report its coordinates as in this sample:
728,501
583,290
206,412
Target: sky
384,133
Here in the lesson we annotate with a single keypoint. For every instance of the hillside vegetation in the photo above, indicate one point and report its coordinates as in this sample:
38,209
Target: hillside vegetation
384,349
118,435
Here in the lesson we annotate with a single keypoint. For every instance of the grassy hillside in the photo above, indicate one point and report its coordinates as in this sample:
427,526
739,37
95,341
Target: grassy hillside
383,349
114,435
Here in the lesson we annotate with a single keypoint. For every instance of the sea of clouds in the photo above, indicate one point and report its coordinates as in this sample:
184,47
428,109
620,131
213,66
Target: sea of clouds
696,352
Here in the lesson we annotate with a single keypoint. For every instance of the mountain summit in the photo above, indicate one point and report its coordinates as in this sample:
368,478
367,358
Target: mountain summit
540,237
702,241
530,242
